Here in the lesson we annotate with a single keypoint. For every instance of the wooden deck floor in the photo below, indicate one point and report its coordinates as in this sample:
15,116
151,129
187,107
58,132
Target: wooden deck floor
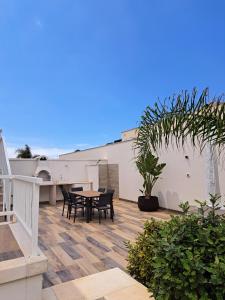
80,249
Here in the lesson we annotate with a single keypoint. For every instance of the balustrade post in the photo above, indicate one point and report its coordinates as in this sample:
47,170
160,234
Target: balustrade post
34,216
3,195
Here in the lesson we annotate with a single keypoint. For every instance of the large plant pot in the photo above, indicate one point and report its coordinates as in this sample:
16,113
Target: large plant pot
148,204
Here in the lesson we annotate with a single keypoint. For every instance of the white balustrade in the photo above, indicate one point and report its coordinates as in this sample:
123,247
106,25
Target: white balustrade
5,170
25,200
26,205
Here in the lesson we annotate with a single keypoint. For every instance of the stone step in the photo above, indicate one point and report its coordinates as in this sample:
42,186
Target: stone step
112,284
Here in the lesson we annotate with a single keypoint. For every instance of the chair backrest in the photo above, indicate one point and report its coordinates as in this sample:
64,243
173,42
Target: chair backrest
61,187
105,199
110,191
73,197
77,189
101,190
65,195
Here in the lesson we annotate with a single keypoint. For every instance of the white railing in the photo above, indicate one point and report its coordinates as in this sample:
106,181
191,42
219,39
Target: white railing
26,205
5,170
25,201
7,192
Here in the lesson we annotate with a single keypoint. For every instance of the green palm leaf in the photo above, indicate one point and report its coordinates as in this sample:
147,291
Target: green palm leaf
180,117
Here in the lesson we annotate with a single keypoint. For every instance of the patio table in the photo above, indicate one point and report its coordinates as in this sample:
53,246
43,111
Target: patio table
88,195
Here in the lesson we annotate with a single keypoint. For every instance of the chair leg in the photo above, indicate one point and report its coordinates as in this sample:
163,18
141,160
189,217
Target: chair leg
105,213
99,217
91,213
112,214
63,208
111,211
83,211
70,210
75,214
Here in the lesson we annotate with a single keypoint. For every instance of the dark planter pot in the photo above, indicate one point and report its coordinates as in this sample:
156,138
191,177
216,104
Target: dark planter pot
148,204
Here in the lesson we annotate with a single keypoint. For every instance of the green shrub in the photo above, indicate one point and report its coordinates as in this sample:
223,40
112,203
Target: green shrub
183,258
140,255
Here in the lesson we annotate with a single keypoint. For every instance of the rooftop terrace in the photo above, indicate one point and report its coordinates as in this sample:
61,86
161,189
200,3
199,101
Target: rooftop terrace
75,250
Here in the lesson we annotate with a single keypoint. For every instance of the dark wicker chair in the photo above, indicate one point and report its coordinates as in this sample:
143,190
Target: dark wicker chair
66,201
95,200
75,203
103,205
77,189
111,191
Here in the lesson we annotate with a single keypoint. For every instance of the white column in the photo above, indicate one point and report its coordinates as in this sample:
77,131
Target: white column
53,195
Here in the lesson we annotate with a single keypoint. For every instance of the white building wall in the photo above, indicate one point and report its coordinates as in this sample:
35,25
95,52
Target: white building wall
129,134
80,172
121,154
93,175
182,179
60,170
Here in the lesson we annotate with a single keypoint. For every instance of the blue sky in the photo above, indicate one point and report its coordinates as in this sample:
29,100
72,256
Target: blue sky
75,73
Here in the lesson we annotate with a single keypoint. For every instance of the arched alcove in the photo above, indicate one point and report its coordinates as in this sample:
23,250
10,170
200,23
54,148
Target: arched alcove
44,175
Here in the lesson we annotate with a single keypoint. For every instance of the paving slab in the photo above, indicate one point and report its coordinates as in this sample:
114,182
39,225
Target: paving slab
112,284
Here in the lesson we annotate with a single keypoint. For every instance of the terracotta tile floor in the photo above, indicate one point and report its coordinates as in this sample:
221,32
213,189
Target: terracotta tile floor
79,249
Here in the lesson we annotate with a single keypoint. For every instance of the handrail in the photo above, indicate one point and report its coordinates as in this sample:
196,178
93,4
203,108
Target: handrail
5,153
23,178
28,179
5,170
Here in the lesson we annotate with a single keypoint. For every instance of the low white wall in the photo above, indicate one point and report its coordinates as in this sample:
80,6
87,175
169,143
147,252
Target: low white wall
23,289
24,167
60,170
182,179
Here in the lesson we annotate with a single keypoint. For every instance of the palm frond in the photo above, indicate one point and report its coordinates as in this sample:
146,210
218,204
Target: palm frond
181,117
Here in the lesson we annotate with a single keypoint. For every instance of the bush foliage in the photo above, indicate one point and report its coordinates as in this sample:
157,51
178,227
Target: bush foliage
183,258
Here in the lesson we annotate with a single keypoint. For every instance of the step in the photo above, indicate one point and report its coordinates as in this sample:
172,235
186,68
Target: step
112,284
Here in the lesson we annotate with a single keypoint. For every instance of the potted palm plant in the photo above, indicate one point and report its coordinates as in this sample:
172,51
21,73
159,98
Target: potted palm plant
150,170
188,117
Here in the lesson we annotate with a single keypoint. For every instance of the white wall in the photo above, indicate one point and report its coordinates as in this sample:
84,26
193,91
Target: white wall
119,153
71,171
24,167
173,187
60,170
93,175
